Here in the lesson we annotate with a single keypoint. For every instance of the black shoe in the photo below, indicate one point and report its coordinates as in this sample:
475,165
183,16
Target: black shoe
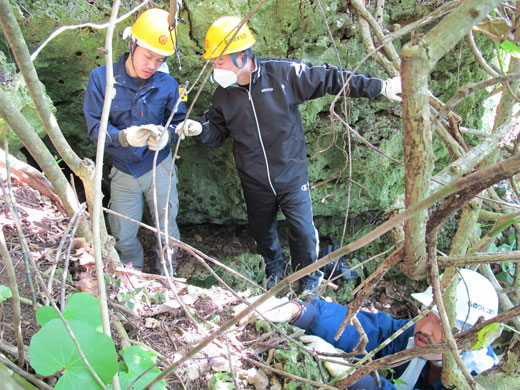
273,279
309,286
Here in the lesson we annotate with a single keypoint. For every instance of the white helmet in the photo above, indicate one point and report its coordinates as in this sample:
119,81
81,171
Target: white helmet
476,297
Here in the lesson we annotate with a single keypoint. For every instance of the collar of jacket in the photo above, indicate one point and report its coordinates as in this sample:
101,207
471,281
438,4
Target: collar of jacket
255,74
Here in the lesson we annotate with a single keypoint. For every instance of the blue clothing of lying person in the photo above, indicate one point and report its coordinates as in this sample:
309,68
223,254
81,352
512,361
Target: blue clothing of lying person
476,298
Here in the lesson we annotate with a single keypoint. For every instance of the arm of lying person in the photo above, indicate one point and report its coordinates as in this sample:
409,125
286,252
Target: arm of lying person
337,368
368,382
323,319
273,309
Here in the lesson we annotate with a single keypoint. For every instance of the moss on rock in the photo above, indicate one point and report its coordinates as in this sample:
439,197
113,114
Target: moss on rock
209,188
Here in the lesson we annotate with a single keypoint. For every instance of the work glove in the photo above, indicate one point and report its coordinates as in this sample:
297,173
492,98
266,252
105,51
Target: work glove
136,135
274,309
158,139
392,88
188,128
317,344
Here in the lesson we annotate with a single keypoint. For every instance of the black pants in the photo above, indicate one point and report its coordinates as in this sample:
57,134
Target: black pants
296,206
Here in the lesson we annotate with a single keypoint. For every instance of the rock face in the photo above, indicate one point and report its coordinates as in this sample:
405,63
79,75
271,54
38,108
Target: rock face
209,188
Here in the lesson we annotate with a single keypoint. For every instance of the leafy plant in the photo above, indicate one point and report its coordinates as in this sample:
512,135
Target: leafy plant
136,362
81,306
395,381
52,348
511,48
5,293
297,362
221,381
505,243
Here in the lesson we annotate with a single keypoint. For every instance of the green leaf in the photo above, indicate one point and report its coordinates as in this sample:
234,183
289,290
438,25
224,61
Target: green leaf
260,276
81,306
52,350
487,335
138,361
5,293
510,47
221,381
505,277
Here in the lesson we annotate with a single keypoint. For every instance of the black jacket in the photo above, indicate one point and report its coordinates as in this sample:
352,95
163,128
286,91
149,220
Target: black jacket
265,123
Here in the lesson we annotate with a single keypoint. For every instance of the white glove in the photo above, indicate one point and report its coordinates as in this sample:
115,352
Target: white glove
158,140
392,88
274,309
319,345
136,135
188,128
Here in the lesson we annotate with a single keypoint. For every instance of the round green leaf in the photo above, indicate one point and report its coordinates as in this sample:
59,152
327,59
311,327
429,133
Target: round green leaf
81,306
5,293
84,307
138,361
44,314
52,349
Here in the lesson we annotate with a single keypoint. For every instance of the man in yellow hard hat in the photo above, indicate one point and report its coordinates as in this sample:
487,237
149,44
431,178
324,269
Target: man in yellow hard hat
143,102
256,103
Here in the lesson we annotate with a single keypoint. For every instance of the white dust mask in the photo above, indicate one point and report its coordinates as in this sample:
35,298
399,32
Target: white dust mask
224,77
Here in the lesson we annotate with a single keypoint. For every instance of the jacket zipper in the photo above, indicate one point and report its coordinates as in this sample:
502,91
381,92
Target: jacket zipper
260,138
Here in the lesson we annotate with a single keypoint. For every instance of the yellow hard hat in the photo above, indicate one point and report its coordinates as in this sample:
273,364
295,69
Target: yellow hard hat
152,31
219,34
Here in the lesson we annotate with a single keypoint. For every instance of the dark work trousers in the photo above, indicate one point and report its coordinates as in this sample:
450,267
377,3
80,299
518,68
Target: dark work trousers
296,206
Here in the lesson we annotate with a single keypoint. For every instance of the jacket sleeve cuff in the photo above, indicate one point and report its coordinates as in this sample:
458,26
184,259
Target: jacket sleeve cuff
122,139
307,316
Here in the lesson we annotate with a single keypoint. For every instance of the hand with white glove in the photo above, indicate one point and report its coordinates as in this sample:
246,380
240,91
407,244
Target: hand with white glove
136,135
188,128
159,139
319,345
274,309
392,88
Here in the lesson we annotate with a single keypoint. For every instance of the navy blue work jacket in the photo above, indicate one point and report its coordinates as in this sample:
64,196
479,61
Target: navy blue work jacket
137,102
323,319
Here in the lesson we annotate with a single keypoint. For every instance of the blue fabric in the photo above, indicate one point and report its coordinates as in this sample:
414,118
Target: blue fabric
366,383
136,102
128,195
378,327
323,319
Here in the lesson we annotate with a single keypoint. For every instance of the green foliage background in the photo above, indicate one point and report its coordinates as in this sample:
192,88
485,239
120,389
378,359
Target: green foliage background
209,188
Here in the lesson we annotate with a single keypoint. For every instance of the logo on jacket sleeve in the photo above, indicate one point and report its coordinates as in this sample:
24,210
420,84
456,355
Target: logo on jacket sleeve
267,90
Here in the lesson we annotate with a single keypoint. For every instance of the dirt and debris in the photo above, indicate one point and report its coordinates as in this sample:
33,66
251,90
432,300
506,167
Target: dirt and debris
171,323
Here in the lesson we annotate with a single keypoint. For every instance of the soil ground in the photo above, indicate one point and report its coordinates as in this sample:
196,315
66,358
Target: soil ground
149,312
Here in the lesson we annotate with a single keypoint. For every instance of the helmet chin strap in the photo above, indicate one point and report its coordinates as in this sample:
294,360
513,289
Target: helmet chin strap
248,53
132,45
